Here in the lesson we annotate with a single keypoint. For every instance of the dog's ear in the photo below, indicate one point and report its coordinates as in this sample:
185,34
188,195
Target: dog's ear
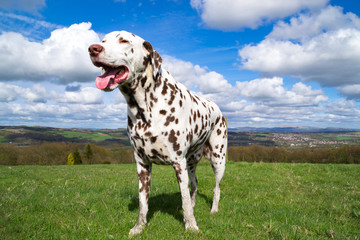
154,59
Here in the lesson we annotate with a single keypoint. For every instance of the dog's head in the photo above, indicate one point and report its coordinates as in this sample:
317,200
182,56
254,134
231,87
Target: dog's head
123,56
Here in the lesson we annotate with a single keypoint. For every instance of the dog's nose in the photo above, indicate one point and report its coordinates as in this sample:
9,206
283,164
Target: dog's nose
95,49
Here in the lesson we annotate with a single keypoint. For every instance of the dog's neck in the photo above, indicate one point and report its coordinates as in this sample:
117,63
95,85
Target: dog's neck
139,94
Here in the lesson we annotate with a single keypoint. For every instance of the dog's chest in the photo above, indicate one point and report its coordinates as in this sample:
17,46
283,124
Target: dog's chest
152,144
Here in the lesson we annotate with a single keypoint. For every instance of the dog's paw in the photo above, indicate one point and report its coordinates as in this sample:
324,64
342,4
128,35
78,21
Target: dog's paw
191,227
138,228
214,210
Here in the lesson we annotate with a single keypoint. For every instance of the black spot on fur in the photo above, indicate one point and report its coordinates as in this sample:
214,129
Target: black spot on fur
148,46
169,119
143,81
173,139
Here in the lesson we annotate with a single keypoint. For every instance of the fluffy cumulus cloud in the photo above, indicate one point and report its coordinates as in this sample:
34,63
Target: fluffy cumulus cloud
62,58
350,91
37,105
312,24
39,94
65,115
10,93
341,113
7,93
272,92
195,77
87,95
264,101
234,15
322,47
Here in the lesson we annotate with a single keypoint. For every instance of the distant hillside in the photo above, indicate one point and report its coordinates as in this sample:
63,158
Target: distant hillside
284,137
22,135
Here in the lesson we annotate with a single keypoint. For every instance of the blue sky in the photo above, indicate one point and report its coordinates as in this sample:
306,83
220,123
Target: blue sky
279,63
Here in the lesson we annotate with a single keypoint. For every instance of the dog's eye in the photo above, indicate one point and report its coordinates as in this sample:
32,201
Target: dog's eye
123,40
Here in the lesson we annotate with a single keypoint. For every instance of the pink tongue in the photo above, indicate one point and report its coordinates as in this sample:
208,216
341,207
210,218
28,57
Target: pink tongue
103,81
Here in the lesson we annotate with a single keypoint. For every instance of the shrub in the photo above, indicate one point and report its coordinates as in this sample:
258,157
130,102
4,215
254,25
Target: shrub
122,155
70,159
99,154
88,154
8,154
77,157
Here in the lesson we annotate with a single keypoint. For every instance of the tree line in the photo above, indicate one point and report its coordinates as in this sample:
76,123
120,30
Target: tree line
59,153
348,154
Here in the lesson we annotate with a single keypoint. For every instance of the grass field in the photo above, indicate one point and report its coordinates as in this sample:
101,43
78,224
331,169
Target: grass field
258,201
83,135
3,140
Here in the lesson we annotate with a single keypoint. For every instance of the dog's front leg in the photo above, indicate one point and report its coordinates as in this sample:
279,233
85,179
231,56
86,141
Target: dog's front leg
183,180
144,174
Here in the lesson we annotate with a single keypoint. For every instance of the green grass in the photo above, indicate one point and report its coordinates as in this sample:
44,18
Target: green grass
258,201
342,138
83,135
4,140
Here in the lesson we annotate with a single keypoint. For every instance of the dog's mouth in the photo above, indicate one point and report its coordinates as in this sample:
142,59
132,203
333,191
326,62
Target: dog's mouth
111,77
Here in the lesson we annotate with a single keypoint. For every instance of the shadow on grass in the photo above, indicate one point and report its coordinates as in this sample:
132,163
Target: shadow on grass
168,203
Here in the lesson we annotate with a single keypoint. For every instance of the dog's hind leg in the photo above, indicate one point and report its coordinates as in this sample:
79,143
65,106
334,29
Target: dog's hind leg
215,151
144,174
192,162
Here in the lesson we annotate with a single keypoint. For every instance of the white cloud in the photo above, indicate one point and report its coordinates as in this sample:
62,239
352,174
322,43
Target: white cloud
35,23
312,24
195,77
57,110
258,119
271,91
39,94
89,107
343,109
264,101
62,58
234,15
36,94
334,114
32,28
87,95
350,91
7,92
262,89
326,53
10,93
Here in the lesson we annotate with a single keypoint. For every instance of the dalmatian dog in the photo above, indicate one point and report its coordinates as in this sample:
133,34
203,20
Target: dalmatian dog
167,124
